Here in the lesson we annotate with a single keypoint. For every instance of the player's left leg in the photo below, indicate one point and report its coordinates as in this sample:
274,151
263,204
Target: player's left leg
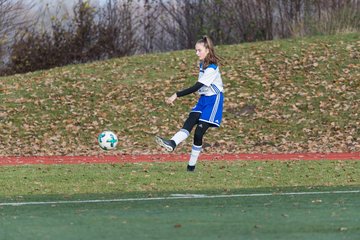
211,116
200,131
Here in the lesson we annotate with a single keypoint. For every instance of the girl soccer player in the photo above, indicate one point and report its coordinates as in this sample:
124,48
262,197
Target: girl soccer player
208,110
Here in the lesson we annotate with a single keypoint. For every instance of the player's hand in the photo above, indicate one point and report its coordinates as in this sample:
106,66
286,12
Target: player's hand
171,99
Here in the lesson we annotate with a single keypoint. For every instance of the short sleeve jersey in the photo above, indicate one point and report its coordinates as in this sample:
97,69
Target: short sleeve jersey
211,78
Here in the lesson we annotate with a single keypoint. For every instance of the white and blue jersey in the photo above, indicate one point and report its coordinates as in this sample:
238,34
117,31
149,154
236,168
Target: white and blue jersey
210,104
211,78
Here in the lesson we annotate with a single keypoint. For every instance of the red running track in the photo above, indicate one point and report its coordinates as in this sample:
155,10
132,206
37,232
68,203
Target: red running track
18,160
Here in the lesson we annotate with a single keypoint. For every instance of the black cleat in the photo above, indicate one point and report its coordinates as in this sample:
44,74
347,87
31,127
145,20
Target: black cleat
190,168
169,145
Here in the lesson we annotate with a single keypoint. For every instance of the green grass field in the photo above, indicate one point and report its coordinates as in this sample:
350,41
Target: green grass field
306,94
221,200
303,215
150,179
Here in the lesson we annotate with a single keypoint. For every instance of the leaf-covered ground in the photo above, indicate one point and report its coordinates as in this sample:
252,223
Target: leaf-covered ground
298,95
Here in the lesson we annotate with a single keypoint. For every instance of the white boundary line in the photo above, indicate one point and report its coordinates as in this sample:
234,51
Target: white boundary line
176,196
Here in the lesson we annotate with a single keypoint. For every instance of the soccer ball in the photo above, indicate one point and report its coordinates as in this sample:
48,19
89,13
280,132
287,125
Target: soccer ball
107,140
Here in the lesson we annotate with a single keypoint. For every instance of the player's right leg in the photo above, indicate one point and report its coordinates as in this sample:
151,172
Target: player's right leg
181,135
169,145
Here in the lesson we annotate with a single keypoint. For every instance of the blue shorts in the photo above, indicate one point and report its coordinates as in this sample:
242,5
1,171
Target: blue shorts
211,108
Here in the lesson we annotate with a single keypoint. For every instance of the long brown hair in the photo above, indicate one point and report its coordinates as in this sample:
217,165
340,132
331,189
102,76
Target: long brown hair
211,57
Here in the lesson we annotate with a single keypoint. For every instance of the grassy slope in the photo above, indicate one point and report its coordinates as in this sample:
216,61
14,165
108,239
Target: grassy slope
306,92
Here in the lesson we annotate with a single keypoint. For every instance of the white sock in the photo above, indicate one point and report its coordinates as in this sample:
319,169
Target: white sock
195,152
180,136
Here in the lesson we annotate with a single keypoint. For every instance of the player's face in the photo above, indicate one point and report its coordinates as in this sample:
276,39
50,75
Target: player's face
201,51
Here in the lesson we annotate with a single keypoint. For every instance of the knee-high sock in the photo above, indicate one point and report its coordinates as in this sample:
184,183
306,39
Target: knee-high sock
195,152
180,136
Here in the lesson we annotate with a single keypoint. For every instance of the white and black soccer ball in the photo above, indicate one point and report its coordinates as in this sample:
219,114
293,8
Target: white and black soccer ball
107,140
